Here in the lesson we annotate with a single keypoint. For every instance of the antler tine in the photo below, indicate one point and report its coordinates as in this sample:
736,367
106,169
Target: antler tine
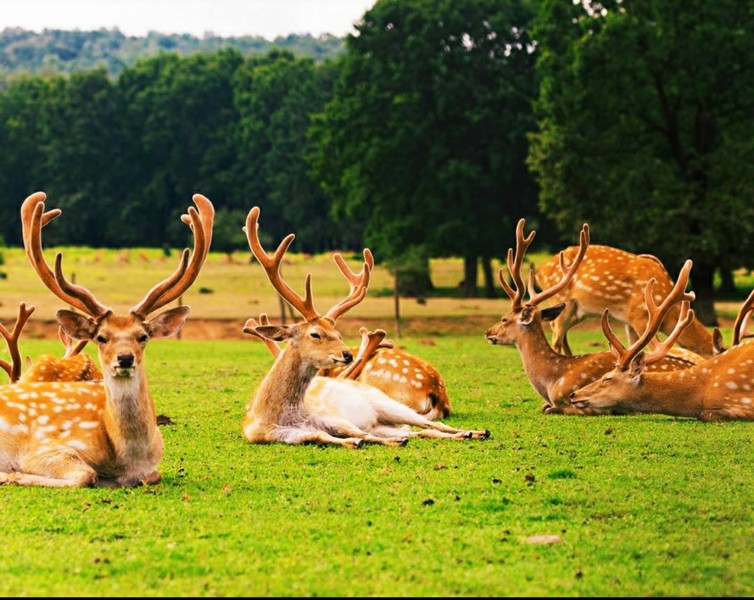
200,222
85,297
249,326
514,262
370,341
271,265
355,295
355,279
658,313
739,326
71,348
33,218
11,337
568,271
661,349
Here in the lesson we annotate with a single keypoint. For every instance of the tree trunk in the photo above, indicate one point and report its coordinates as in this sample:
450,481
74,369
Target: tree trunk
489,278
727,284
701,285
469,276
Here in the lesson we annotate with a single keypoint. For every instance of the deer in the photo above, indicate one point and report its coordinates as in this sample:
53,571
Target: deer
613,278
74,366
718,389
336,411
404,377
552,375
95,433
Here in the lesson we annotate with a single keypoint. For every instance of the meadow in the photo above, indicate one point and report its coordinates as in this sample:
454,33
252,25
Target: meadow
547,506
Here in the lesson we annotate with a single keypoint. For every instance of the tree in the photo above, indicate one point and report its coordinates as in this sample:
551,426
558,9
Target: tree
425,138
645,129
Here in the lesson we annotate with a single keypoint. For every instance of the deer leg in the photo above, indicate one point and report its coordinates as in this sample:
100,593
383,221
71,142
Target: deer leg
52,470
344,428
313,436
560,327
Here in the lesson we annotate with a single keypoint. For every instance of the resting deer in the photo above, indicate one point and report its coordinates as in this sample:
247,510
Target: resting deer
553,375
612,278
339,411
402,376
95,433
74,366
718,389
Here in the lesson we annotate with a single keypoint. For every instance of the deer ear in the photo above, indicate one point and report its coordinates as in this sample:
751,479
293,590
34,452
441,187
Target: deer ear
636,368
553,312
276,333
168,323
75,325
527,315
718,347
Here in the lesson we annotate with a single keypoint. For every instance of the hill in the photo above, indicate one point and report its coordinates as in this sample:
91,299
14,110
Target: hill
60,51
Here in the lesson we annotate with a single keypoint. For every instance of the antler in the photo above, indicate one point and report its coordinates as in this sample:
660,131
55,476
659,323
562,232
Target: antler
271,265
656,316
370,341
568,271
514,263
13,369
33,218
356,280
742,320
72,347
249,326
200,221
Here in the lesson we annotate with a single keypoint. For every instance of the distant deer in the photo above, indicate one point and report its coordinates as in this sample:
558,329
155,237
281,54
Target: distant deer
612,278
553,375
343,412
90,433
402,376
718,389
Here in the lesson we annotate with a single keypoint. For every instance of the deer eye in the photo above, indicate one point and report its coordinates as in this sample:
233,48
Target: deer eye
143,338
315,335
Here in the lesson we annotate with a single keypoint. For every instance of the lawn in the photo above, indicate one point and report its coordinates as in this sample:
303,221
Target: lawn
547,506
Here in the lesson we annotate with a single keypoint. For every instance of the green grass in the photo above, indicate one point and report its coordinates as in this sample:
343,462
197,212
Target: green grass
643,506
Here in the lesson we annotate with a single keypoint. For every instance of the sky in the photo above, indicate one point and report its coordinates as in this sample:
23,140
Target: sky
266,18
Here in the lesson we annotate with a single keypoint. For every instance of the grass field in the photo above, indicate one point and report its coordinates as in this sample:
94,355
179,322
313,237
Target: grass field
638,506
547,506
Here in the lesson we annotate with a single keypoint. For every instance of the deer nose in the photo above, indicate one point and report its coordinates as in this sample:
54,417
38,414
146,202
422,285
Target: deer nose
347,357
573,396
126,361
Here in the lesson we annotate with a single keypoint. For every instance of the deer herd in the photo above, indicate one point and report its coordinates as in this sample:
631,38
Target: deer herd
69,422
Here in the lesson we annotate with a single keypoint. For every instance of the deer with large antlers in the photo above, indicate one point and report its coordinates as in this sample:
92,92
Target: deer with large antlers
615,279
553,375
337,411
404,377
718,389
95,433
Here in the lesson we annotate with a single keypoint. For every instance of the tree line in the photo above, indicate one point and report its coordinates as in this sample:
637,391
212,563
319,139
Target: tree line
439,125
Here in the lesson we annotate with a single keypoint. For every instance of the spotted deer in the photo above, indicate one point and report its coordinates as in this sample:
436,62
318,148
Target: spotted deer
95,433
402,376
339,411
612,278
718,389
553,375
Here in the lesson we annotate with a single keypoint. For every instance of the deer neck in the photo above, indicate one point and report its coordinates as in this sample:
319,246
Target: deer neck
282,390
129,416
541,363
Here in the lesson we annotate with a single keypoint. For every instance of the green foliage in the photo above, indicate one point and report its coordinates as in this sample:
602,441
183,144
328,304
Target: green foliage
646,129
425,136
629,499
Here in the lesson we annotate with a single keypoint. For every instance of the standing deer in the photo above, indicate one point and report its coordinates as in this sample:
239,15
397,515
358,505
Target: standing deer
718,389
338,411
614,279
553,375
95,433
